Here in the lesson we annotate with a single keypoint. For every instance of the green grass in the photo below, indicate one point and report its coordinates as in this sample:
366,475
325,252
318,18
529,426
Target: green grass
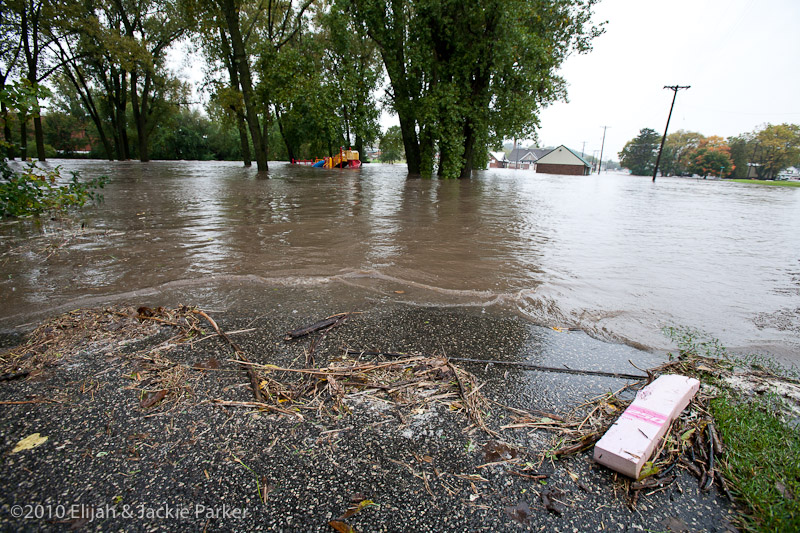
770,182
762,452
762,461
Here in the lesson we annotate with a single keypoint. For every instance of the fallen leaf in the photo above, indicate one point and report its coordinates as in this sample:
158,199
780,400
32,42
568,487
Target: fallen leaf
341,527
29,442
674,524
399,292
548,500
520,512
494,451
152,398
357,508
211,364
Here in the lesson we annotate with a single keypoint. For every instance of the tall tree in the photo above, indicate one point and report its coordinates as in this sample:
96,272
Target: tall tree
118,47
10,47
466,74
270,25
358,72
639,154
33,18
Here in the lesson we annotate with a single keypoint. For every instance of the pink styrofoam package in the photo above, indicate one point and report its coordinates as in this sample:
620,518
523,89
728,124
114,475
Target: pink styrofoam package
628,444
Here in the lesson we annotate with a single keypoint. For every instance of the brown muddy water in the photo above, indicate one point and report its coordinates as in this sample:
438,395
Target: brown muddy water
617,256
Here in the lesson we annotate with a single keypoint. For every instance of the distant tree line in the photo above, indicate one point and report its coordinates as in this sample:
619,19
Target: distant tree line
286,78
762,153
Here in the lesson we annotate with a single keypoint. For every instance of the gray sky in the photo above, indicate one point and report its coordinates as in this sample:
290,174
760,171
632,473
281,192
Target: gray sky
739,56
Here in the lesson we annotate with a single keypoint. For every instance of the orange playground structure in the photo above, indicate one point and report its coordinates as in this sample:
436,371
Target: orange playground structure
344,159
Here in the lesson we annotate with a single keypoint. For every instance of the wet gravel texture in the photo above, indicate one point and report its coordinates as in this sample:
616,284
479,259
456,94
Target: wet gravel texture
188,464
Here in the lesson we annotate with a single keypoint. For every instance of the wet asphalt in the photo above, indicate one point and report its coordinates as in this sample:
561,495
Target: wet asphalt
189,464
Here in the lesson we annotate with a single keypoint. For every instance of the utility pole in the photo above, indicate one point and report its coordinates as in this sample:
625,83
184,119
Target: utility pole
583,148
674,89
603,145
594,158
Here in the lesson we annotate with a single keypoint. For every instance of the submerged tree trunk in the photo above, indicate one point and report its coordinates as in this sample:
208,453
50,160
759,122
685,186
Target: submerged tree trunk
410,143
38,133
243,68
360,146
233,75
140,113
469,151
241,126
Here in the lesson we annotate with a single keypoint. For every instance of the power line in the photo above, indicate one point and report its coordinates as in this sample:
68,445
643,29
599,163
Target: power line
674,89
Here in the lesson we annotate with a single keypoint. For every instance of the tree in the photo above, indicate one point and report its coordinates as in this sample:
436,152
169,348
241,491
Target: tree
391,145
274,24
674,160
358,73
33,17
712,157
639,154
10,48
464,75
742,151
114,54
778,147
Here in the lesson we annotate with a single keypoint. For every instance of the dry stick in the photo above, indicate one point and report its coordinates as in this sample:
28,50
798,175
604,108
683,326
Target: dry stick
520,474
239,353
260,405
332,371
476,416
710,480
330,322
522,364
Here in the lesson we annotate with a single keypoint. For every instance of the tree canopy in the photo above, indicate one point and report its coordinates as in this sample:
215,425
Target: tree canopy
711,157
639,154
465,75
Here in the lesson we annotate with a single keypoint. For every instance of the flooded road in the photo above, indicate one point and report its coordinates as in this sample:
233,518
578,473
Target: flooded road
617,256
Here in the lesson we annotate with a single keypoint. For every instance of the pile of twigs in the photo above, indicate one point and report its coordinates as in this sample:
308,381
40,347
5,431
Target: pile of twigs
82,329
409,381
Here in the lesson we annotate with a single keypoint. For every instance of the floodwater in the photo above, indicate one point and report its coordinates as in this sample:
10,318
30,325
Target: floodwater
617,256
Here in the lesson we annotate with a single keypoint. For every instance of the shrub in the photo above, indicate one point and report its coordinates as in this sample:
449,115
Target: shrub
34,191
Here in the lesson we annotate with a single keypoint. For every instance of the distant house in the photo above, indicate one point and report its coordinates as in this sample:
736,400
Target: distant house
539,152
562,160
521,158
497,160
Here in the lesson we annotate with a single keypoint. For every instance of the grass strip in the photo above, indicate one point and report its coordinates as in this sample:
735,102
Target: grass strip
762,461
770,182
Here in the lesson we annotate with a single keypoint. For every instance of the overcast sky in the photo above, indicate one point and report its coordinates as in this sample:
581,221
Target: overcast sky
739,56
